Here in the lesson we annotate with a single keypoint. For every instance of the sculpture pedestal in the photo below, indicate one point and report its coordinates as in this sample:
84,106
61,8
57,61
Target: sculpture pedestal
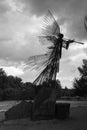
44,104
45,111
62,110
21,110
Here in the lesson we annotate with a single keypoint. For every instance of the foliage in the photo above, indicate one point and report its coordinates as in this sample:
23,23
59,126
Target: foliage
28,91
80,84
12,88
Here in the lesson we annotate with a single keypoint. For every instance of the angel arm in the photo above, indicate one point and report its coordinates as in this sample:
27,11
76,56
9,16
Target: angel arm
67,43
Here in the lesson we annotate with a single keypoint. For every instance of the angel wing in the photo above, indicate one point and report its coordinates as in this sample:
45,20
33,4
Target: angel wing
49,27
37,62
85,22
49,30
47,39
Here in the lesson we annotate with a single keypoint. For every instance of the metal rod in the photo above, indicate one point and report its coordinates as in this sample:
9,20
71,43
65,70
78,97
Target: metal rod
75,41
79,42
64,39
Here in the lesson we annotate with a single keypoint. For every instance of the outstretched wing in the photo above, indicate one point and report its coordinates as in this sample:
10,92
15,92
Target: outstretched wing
49,27
36,62
85,22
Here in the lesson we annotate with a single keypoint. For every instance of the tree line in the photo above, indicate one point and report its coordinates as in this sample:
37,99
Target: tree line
80,84
13,88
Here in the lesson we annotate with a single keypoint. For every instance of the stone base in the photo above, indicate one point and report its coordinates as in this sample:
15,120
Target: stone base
44,104
62,110
21,110
45,112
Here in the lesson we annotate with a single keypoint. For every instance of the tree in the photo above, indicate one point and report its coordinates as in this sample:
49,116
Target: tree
14,82
58,88
3,79
80,84
2,72
28,91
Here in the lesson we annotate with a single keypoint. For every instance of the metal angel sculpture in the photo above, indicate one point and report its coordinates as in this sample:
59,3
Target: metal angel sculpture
48,64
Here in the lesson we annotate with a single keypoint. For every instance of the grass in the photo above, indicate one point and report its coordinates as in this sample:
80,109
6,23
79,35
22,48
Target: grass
76,121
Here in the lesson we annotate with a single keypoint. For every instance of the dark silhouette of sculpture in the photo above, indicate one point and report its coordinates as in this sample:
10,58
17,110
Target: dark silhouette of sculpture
49,62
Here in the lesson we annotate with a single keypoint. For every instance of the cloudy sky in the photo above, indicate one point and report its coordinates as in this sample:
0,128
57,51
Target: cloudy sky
19,26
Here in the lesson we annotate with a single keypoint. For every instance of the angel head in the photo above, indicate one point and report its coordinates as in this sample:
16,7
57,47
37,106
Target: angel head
60,35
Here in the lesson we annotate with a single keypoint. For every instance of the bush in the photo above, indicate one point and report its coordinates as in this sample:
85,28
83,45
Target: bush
11,94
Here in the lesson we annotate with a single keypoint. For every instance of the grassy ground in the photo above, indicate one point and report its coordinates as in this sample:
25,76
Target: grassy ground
5,105
76,121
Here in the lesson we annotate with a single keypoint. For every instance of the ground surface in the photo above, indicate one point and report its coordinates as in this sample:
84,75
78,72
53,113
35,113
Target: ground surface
77,120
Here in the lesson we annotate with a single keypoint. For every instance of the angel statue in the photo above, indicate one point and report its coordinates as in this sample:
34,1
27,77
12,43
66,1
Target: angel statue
49,62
